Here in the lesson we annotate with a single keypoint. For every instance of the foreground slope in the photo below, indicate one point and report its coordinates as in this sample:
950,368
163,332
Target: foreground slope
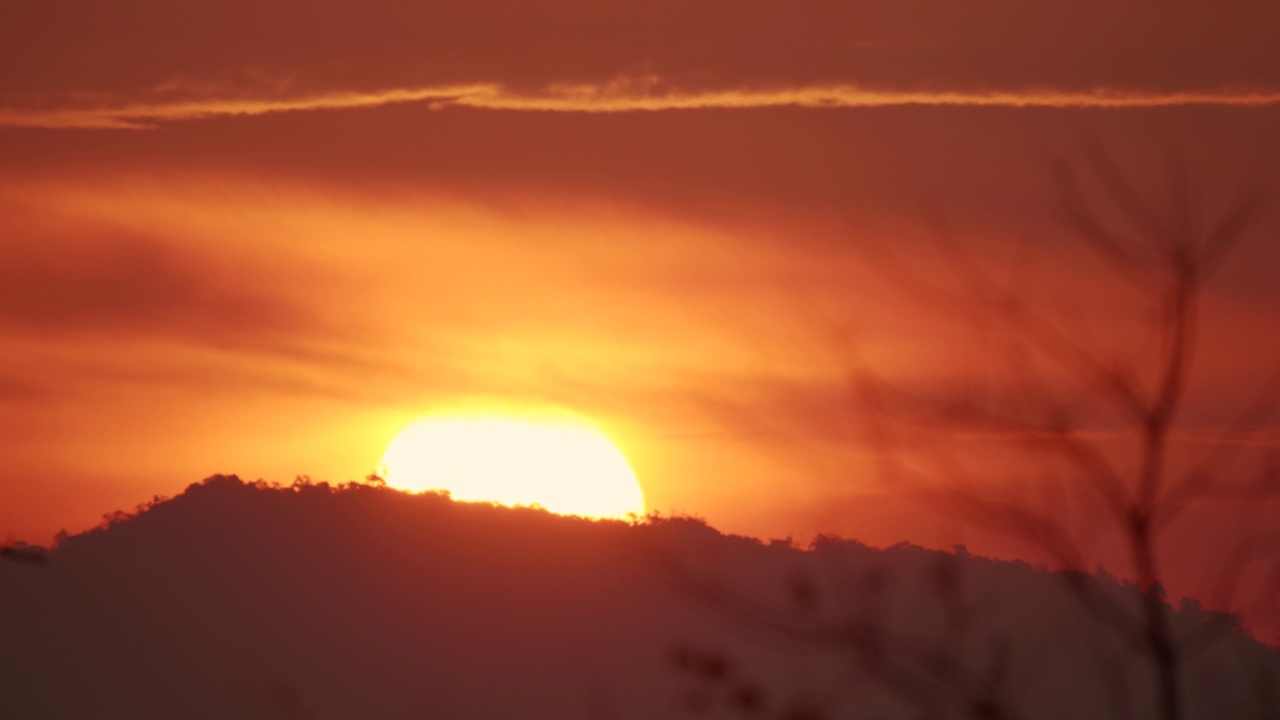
236,600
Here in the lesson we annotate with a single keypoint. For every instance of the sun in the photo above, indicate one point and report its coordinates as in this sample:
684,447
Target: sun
563,464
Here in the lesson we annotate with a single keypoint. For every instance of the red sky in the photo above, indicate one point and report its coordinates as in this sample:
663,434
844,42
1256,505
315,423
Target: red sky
262,237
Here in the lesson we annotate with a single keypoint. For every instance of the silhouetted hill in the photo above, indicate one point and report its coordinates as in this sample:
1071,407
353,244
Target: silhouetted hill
246,601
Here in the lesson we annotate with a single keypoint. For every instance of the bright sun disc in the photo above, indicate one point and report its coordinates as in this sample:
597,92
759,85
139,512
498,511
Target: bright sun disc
570,468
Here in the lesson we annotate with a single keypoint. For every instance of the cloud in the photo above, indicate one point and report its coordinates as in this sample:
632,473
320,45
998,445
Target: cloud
138,115
99,297
128,286
19,389
623,95
85,46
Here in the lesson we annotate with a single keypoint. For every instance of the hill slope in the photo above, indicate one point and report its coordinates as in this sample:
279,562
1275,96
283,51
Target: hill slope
235,600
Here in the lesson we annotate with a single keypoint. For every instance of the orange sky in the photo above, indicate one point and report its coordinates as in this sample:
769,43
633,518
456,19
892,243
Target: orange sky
261,238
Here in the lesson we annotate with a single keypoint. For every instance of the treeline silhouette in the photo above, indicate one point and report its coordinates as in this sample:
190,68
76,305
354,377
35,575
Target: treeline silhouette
240,599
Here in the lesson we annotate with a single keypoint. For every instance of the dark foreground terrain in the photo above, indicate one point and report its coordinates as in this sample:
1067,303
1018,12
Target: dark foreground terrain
242,601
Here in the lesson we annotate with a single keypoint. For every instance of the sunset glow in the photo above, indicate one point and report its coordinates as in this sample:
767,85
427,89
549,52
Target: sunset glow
988,274
567,468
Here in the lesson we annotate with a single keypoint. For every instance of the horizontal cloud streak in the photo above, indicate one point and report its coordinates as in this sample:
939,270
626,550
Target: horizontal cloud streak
141,115
620,96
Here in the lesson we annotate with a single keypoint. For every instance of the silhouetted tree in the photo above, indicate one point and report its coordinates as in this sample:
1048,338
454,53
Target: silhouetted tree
1056,385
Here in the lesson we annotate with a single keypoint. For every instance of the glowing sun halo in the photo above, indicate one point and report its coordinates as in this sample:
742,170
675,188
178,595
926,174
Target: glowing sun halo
569,468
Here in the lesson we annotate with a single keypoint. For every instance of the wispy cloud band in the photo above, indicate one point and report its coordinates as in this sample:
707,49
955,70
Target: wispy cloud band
619,96
135,115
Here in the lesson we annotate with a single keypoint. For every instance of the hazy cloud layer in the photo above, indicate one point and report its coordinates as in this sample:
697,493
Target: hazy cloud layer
130,287
644,266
